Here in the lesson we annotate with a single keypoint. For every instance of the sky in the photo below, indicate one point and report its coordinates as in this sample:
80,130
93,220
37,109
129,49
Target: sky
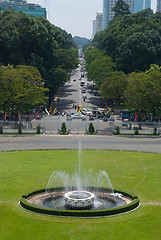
74,16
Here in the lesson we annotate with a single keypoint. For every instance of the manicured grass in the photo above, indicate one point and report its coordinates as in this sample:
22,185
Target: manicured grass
23,172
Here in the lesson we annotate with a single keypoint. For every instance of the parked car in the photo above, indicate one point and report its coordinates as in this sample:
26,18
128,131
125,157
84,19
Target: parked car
77,116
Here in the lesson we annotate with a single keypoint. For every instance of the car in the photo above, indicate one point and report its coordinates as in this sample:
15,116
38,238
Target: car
125,122
74,80
86,112
83,111
77,116
89,113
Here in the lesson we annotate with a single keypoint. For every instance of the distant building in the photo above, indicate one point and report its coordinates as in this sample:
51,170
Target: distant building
108,14
20,5
139,5
97,23
99,17
158,5
94,28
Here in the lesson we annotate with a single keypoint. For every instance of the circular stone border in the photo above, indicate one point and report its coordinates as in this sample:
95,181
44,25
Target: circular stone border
134,204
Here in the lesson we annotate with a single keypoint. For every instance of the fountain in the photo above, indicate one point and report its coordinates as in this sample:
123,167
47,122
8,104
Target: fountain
83,194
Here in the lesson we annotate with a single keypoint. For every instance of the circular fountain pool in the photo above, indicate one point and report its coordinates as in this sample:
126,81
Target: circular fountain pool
79,203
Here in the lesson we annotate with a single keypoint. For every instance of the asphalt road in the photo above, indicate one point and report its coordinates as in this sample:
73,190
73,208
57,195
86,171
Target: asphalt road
10,143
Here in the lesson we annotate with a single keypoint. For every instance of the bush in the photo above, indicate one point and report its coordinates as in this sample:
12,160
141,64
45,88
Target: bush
63,128
1,130
91,129
20,129
155,131
136,131
117,130
38,130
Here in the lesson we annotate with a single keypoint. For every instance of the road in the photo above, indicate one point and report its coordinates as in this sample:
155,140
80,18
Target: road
9,143
69,96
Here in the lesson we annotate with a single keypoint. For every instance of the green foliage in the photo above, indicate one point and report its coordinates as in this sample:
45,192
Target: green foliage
143,93
63,128
26,40
145,48
114,86
136,131
19,129
38,131
99,66
81,40
130,37
1,130
121,8
117,130
155,131
21,86
91,129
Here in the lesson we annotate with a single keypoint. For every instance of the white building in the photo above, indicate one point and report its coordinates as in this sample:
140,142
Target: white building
99,18
97,23
108,14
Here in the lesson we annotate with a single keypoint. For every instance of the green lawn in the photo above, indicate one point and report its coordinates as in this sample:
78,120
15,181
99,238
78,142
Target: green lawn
23,172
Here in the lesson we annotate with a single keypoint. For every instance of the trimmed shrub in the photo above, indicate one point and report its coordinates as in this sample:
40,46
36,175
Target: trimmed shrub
38,130
63,128
20,129
91,129
1,130
117,130
155,132
136,131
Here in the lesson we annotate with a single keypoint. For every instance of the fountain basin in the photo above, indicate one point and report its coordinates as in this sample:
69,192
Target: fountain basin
52,203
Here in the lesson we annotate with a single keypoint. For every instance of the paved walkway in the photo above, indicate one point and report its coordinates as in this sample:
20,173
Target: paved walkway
11,143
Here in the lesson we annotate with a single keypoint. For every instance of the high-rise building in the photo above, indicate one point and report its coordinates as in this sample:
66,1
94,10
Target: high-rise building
158,5
94,28
21,5
108,14
139,5
99,21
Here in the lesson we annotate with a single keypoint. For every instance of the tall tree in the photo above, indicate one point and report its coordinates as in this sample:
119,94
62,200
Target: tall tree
26,40
121,8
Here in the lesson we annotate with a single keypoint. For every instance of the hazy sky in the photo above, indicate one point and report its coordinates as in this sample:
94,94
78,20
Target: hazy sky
74,16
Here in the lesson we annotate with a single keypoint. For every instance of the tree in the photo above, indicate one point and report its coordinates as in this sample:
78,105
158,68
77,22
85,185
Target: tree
21,86
121,8
139,51
91,129
114,86
26,40
143,93
99,66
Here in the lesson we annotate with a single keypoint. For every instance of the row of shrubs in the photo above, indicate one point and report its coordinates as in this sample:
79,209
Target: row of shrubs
136,131
91,129
38,130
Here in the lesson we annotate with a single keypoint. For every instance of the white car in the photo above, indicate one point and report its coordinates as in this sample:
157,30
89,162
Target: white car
77,116
86,112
